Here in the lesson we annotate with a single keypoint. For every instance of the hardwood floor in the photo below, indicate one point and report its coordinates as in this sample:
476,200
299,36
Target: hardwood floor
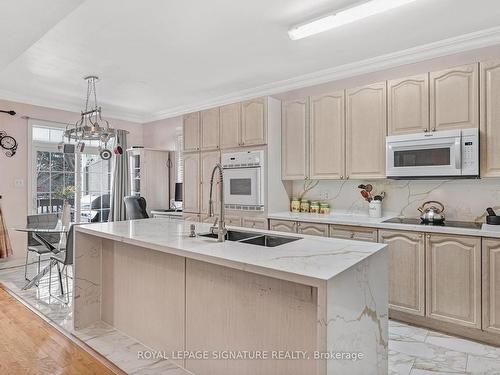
30,345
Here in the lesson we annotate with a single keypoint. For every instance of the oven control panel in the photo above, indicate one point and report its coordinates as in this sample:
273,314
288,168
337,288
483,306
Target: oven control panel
243,159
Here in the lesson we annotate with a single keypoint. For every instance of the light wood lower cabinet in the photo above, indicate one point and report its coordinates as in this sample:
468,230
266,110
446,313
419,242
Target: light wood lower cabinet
406,270
347,232
312,229
453,279
491,285
255,223
190,217
283,226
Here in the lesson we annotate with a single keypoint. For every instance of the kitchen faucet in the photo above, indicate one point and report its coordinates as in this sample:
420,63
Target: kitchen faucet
221,228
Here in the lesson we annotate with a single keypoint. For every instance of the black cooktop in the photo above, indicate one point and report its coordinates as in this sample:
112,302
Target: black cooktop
446,223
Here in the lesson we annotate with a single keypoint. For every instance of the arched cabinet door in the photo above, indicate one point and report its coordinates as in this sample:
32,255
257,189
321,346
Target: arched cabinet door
491,285
454,98
406,270
294,139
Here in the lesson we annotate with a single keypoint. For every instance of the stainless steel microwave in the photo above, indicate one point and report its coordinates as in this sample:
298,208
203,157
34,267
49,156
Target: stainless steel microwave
448,153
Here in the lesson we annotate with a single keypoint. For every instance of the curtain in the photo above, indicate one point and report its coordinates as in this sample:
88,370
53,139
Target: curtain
5,247
121,180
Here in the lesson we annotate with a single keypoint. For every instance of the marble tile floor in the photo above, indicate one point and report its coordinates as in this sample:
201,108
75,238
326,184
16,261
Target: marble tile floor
412,350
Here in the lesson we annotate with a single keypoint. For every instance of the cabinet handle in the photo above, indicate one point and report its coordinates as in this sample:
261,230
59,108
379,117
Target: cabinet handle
298,224
426,130
341,177
433,129
346,177
428,236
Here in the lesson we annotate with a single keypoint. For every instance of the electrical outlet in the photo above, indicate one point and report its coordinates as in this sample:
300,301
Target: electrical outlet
19,183
324,196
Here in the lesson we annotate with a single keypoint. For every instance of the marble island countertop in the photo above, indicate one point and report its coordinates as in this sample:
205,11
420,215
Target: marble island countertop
310,259
350,219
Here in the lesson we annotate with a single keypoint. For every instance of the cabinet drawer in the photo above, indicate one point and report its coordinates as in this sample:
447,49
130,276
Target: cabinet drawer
312,229
353,233
256,223
283,226
191,217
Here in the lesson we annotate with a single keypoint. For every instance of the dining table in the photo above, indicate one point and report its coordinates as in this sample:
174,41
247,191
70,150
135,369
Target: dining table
38,235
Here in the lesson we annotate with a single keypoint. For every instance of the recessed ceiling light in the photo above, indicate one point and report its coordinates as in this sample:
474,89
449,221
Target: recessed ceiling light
344,16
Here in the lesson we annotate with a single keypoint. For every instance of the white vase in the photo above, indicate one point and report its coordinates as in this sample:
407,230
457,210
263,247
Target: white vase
66,214
375,209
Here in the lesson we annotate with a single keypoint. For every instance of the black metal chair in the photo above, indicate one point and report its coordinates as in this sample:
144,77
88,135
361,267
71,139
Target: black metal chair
40,244
62,260
135,207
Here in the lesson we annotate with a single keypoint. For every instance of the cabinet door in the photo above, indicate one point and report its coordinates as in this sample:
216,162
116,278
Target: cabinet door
192,182
408,106
366,124
230,126
353,233
283,226
191,217
191,131
491,285
406,252
327,136
454,98
453,284
312,229
293,140
490,119
208,162
210,129
253,122
256,223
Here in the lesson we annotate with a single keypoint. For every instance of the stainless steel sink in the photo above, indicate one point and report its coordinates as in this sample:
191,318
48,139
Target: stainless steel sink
270,241
253,238
231,235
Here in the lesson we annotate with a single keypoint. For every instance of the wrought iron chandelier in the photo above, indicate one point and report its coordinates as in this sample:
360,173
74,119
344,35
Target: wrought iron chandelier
91,126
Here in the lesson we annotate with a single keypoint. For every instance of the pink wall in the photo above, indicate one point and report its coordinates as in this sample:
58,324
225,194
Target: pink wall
15,199
162,134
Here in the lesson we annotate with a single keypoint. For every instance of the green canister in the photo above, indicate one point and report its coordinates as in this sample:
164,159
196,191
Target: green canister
324,208
295,205
304,205
314,208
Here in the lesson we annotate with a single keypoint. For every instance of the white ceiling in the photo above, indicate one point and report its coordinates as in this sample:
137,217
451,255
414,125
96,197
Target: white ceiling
158,58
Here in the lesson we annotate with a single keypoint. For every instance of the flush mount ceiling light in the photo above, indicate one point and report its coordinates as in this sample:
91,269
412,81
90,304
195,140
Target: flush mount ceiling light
344,16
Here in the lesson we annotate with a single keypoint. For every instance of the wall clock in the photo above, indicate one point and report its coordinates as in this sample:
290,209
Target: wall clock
8,143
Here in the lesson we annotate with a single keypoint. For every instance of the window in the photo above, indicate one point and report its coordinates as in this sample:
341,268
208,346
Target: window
54,176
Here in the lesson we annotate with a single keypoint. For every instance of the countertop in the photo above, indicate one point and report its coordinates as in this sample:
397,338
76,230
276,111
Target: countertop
345,218
310,260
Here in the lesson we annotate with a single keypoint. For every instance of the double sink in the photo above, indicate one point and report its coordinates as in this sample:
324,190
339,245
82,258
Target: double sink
253,238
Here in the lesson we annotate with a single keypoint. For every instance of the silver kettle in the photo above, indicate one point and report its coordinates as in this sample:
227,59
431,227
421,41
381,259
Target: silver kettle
432,214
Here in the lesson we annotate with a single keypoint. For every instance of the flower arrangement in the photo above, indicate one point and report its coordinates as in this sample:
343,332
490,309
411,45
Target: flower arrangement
368,194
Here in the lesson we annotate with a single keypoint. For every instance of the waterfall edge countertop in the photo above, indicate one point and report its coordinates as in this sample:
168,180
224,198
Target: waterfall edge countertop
313,258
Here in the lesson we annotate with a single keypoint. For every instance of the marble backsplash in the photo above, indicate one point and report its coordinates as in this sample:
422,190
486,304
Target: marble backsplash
464,199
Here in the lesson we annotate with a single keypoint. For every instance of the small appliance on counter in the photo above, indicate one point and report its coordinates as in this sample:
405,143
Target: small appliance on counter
492,217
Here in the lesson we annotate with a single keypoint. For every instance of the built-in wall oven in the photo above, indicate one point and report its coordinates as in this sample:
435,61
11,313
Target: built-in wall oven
448,153
244,180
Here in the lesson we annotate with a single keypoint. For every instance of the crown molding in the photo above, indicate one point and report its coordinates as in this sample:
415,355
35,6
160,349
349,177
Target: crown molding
110,112
462,43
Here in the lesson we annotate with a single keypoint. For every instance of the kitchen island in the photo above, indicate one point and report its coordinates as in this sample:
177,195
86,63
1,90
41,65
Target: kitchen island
311,306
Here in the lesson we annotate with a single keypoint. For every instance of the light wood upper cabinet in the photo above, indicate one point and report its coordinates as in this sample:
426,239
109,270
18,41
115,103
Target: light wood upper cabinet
210,129
191,131
312,229
208,162
454,98
490,119
191,183
491,285
253,122
230,126
453,285
294,139
283,226
366,128
326,137
406,270
408,105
